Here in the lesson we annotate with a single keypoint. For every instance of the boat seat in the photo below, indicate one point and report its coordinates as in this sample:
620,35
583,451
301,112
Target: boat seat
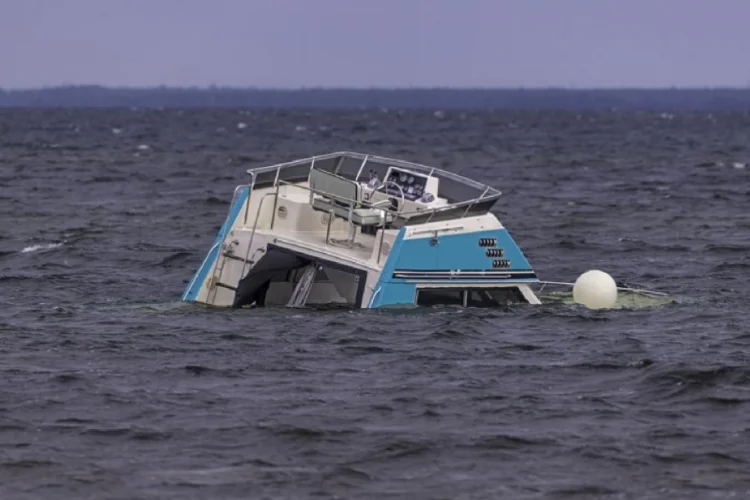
342,197
359,216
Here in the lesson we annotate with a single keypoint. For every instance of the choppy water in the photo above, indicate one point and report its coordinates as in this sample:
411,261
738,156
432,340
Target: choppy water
110,388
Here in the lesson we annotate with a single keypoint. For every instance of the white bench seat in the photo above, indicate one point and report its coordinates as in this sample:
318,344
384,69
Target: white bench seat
333,193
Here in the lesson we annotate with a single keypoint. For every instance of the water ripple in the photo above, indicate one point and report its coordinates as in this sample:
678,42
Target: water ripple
112,388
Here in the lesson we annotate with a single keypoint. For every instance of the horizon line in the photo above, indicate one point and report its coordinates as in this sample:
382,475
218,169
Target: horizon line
374,88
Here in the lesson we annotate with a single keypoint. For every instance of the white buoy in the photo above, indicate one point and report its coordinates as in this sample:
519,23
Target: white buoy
595,289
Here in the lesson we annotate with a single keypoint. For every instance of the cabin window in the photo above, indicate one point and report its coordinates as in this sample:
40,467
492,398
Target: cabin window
294,275
470,297
493,297
440,297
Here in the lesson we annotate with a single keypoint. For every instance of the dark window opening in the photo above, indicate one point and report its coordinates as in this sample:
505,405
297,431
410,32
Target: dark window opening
494,297
440,297
470,297
294,275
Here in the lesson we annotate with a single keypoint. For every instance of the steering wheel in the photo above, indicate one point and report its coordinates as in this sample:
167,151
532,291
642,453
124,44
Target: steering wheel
400,189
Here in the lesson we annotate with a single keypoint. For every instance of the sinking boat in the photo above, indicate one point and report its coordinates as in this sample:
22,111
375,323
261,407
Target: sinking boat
362,231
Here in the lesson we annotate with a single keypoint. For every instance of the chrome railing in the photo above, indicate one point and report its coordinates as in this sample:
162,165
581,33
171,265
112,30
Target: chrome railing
255,227
489,191
350,201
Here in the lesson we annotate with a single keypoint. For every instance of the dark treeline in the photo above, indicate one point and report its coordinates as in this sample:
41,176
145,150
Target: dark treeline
437,98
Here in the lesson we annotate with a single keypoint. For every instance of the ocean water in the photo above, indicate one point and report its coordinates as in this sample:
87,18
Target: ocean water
110,388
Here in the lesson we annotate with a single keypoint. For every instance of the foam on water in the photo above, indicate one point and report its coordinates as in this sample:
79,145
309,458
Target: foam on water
38,247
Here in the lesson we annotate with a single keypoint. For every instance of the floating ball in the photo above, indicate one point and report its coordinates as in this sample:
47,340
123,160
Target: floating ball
595,290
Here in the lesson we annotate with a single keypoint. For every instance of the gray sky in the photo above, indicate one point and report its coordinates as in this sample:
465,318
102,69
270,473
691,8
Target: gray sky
360,43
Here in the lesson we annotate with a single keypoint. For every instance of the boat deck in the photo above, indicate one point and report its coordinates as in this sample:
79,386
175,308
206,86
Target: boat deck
338,247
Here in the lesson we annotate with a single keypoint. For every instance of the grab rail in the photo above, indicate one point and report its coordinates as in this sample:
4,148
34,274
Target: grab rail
352,203
430,171
192,281
372,297
487,194
473,202
252,234
250,192
219,241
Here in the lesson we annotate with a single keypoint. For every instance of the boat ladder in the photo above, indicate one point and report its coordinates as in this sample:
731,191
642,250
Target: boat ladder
304,286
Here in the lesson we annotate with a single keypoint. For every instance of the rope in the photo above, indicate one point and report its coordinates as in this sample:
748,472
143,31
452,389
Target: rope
619,288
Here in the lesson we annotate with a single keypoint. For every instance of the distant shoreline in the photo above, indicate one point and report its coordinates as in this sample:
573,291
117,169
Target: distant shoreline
558,88
441,98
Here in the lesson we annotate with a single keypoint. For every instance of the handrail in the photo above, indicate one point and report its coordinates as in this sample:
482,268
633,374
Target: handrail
250,192
445,208
220,241
192,281
252,234
436,230
227,229
273,209
382,236
430,171
322,193
352,202
488,192
642,291
474,202
399,213
375,293
361,167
